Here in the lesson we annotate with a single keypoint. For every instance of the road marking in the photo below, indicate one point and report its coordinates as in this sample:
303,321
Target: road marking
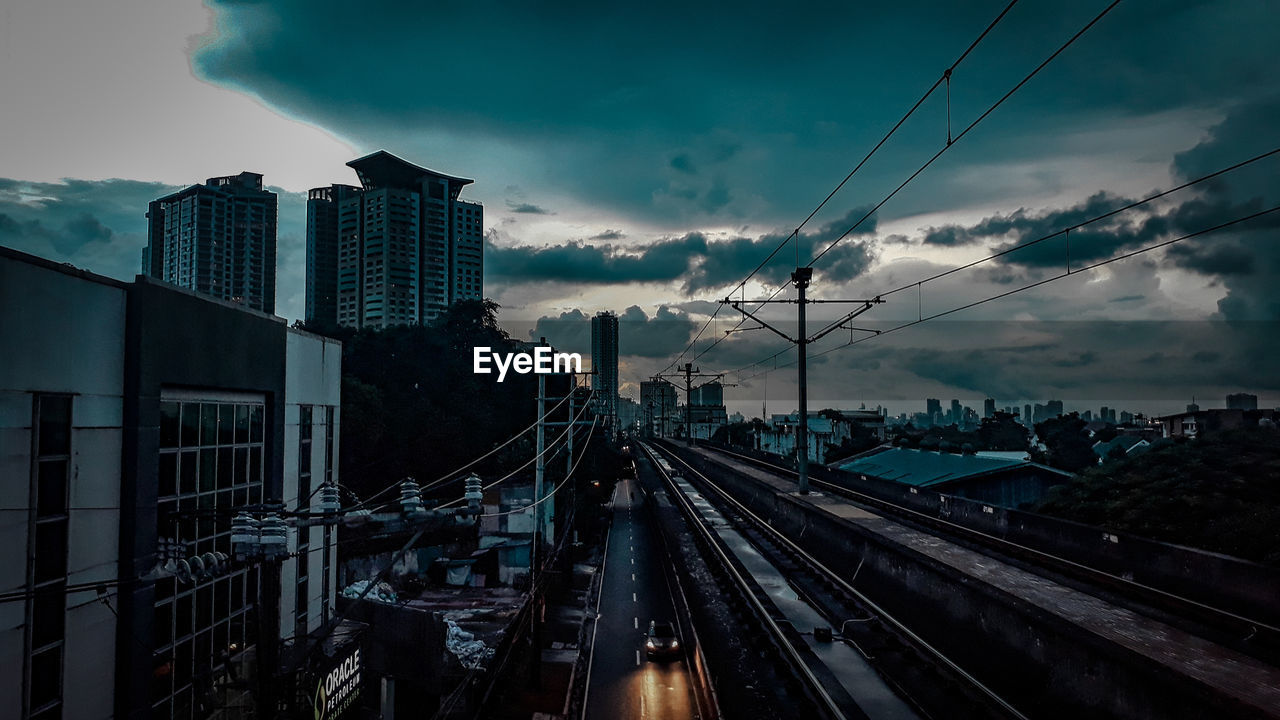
633,561
637,657
636,622
633,577
633,598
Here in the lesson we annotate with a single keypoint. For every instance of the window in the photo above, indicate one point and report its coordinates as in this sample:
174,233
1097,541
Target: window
305,416
47,555
211,459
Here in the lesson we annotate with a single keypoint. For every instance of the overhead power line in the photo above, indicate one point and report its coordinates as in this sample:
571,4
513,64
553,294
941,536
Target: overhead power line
1044,281
952,141
945,77
1030,243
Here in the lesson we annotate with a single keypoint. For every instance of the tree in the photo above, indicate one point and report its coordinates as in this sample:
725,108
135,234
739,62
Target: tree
1069,446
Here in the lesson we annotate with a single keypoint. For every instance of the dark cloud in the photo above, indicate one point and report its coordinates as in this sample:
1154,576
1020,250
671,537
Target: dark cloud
527,208
609,235
769,122
693,260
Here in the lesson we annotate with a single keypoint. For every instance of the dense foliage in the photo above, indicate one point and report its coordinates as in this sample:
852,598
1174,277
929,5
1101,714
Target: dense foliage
1220,492
412,407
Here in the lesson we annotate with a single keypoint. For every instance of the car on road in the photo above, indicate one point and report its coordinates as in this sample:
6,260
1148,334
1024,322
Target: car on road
661,641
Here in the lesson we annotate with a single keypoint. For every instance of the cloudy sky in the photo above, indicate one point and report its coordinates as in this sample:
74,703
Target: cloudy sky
645,159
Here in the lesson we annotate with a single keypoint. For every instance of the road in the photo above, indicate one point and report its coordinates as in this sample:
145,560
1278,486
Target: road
622,684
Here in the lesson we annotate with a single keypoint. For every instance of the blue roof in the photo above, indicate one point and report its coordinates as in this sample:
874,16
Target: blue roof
924,468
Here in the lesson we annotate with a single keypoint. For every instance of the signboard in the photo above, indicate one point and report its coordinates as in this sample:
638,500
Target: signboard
338,689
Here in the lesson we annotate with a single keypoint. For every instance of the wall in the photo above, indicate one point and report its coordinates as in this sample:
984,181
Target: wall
61,331
313,376
1035,659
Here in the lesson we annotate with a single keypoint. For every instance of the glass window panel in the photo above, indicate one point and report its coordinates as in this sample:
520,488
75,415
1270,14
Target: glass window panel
55,425
204,607
208,469
190,424
170,424
47,612
241,475
221,639
187,471
51,550
182,665
221,598
182,616
51,488
255,423
208,424
225,467
163,624
241,496
46,676
226,424
255,465
203,650
242,424
168,474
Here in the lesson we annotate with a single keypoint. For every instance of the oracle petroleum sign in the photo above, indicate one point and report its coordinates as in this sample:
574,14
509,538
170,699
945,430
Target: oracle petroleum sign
338,689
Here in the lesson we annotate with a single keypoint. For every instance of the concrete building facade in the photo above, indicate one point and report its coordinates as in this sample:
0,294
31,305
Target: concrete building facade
138,457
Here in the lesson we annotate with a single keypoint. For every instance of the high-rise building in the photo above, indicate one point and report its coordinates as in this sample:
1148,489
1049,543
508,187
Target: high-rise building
989,408
933,408
604,365
1242,401
218,239
322,252
957,415
406,247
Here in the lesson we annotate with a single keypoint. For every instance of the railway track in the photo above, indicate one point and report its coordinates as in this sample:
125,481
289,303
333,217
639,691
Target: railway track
1252,636
927,680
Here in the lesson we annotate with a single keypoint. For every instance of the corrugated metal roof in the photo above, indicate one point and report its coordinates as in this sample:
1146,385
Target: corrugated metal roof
923,468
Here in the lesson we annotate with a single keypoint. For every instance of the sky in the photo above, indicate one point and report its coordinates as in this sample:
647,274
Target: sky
646,159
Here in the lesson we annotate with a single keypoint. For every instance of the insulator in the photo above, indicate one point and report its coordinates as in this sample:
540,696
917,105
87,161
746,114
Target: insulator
198,569
246,536
182,571
473,491
274,536
330,501
212,566
410,497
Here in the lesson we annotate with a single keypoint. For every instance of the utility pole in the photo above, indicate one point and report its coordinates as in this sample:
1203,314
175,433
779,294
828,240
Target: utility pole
801,278
688,372
535,551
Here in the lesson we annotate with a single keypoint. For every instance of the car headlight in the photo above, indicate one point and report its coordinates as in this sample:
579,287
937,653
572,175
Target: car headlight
675,644
649,645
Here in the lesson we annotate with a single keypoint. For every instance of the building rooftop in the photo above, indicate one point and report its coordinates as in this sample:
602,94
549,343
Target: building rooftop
924,468
382,169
